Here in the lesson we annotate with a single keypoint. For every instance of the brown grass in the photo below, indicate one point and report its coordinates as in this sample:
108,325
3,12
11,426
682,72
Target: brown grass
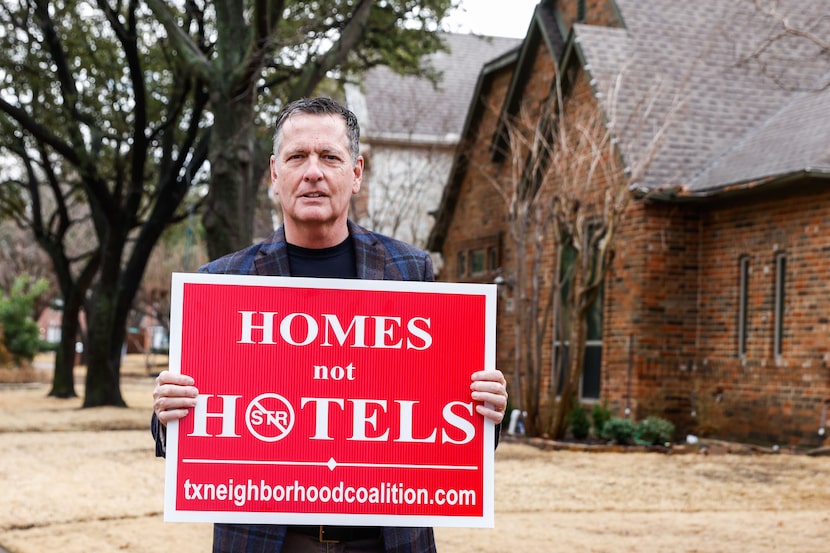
81,480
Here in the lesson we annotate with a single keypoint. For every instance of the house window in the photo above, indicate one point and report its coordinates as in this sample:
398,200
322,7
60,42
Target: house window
780,285
589,386
492,259
477,260
743,304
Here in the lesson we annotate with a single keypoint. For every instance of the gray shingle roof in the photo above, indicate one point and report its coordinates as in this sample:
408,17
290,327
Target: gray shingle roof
752,108
404,105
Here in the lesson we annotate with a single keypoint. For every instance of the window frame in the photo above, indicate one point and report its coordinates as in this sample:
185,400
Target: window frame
743,304
779,298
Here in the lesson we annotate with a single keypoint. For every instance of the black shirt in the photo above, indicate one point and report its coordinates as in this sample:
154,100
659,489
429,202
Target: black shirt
334,262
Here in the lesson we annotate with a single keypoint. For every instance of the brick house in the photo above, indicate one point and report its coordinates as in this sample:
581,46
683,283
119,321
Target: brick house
716,310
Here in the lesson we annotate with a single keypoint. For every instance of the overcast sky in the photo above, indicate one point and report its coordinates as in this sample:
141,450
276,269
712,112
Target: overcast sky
492,17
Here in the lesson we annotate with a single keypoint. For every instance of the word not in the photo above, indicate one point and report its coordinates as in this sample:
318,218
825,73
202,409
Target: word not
336,372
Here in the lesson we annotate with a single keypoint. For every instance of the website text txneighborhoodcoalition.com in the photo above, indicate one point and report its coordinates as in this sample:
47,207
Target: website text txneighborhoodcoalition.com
386,493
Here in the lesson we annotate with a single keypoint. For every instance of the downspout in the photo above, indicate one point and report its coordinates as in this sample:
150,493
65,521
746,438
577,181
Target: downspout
628,380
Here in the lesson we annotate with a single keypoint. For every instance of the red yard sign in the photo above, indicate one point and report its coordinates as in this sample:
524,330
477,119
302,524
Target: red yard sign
327,401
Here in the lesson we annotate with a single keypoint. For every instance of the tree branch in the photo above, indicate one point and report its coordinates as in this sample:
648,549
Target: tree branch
194,58
349,38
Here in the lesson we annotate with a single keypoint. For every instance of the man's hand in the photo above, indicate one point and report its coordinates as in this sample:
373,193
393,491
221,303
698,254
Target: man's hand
490,388
173,396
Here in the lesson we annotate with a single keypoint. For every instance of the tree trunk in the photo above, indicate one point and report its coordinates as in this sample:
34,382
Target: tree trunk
234,180
576,360
63,378
74,292
103,374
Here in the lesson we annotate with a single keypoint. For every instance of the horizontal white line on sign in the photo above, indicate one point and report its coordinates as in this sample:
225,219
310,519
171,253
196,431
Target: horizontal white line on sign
331,464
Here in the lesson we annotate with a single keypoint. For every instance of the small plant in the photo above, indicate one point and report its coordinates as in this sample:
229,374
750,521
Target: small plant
619,430
21,334
600,414
578,420
655,431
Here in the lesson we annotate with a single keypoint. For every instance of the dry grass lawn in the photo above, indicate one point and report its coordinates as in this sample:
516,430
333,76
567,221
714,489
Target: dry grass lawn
77,481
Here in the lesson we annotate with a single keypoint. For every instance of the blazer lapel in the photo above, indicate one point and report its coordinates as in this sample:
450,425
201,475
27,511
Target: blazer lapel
370,255
272,257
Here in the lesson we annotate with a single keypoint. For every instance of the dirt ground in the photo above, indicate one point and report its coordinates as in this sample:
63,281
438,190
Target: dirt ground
76,481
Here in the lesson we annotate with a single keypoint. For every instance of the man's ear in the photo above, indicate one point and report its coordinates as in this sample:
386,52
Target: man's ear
358,175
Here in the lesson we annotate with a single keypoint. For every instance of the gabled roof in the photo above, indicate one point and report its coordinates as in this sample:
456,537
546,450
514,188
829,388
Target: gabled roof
544,27
402,107
753,109
449,196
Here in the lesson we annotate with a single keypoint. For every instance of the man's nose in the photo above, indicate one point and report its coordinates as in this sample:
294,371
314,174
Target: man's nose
313,172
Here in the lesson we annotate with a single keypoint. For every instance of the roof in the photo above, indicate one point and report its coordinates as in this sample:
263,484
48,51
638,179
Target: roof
751,107
449,196
403,106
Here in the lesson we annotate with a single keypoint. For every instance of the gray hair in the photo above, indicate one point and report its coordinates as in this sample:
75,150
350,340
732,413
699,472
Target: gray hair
320,106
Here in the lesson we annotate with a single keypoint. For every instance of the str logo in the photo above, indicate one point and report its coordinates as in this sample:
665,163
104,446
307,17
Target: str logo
272,414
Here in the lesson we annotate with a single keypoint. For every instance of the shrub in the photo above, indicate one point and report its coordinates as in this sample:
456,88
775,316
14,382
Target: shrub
44,346
600,414
578,419
655,431
21,335
619,430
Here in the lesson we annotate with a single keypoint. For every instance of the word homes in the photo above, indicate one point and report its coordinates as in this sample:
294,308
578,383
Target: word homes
327,330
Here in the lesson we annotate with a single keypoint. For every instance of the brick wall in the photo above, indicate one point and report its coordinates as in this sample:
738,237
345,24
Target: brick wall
675,289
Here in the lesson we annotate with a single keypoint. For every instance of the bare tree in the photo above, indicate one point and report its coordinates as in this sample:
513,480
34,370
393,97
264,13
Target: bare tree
567,188
789,38
19,255
403,185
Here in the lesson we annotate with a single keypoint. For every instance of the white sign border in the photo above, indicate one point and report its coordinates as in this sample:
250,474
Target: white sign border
172,514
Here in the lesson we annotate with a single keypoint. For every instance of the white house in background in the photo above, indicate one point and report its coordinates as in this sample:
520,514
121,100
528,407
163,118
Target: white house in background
409,132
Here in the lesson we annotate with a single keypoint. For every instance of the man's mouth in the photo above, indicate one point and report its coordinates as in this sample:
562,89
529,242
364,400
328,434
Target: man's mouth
314,195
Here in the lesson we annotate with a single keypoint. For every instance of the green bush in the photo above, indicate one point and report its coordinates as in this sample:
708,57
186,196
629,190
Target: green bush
619,430
21,335
44,346
655,431
578,420
600,414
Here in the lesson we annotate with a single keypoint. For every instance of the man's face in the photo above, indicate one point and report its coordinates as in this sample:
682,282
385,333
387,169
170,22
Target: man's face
313,174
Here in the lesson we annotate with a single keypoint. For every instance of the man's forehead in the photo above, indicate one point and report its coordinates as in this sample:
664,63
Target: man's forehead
305,121
312,130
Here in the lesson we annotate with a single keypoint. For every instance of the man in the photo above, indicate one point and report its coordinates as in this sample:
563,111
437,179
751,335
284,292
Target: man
315,169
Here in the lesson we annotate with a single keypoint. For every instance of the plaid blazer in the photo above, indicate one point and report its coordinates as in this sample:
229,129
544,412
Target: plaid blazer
378,257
